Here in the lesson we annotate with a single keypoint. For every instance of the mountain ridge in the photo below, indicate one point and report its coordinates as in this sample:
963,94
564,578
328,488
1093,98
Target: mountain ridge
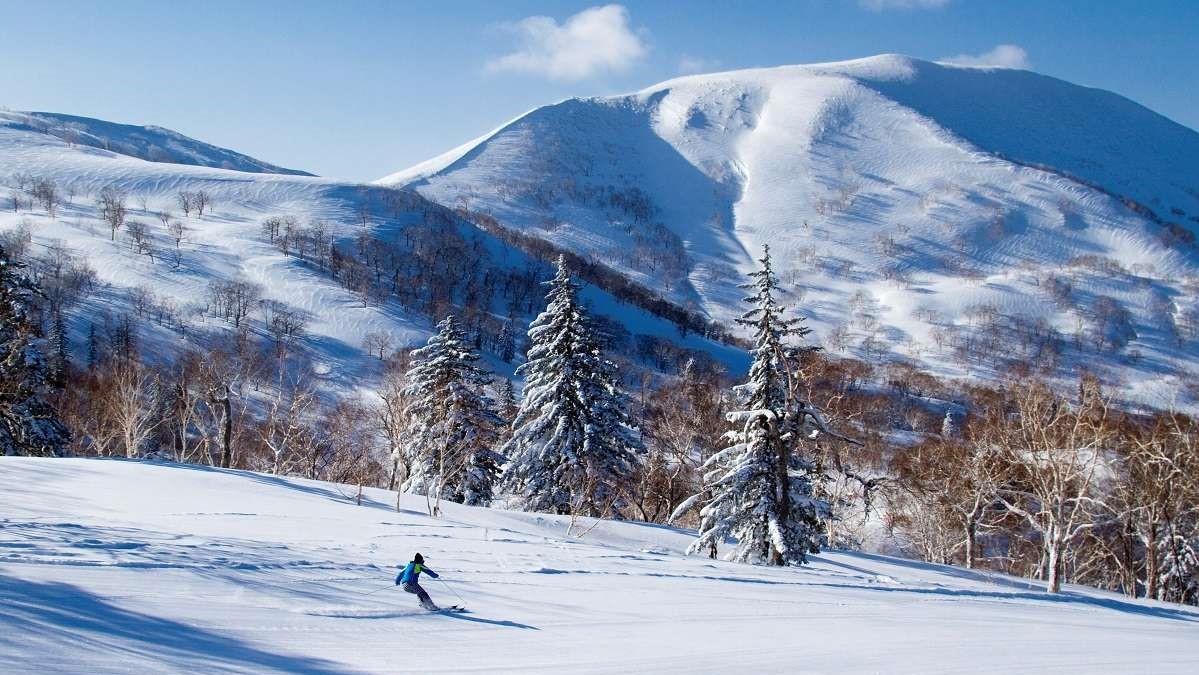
883,184
151,143
884,72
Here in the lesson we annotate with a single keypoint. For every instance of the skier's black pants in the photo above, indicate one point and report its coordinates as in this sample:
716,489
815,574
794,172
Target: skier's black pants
425,600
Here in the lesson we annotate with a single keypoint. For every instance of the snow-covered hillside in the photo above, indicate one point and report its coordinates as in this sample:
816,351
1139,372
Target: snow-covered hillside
224,244
916,206
113,566
151,143
227,243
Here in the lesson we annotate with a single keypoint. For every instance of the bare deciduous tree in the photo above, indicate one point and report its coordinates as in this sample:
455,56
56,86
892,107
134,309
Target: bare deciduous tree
134,404
202,200
233,300
111,204
139,238
1158,487
45,193
186,201
392,418
284,324
286,429
377,342
948,489
1052,456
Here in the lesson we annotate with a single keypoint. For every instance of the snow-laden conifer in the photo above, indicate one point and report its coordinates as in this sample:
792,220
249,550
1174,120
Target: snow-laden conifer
452,423
1178,575
573,442
759,489
508,406
29,425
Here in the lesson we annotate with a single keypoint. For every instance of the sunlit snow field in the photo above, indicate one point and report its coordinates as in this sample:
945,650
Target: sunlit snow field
110,566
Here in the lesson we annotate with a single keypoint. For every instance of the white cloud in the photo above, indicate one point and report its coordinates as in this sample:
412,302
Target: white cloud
1003,56
881,5
690,65
595,40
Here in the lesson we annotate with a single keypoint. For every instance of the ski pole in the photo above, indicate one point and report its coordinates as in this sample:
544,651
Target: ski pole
454,592
377,590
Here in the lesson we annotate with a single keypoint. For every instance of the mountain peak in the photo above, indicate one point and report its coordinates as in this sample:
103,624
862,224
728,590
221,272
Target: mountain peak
888,179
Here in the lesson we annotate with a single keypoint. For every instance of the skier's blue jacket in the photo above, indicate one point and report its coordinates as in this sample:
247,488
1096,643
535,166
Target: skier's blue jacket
411,574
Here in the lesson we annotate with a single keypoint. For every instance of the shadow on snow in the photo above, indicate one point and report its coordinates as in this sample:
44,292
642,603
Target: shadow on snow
56,613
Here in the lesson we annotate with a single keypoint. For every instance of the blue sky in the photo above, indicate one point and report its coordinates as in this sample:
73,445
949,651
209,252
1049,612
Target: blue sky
361,89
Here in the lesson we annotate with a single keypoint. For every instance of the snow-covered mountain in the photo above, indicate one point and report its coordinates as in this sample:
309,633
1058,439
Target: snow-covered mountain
963,218
110,566
151,143
169,296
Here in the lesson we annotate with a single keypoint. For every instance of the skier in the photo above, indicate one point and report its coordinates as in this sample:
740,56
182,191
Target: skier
409,580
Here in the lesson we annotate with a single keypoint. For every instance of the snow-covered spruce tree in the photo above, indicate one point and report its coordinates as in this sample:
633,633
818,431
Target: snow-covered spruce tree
508,407
573,442
506,342
507,400
759,489
452,423
29,425
1178,576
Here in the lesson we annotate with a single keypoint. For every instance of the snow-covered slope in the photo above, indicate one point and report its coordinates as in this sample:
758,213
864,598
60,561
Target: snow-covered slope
111,566
904,197
151,143
227,243
224,244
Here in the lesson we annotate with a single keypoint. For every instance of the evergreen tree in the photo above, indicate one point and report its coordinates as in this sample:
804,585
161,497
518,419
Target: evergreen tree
759,489
1178,574
59,349
509,407
123,338
506,342
573,442
453,426
93,346
29,425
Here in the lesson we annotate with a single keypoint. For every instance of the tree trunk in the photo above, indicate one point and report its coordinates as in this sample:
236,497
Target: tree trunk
395,471
1152,587
1055,563
227,431
782,483
971,541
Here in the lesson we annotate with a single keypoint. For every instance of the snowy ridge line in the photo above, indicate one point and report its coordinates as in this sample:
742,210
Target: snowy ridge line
439,163
148,143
